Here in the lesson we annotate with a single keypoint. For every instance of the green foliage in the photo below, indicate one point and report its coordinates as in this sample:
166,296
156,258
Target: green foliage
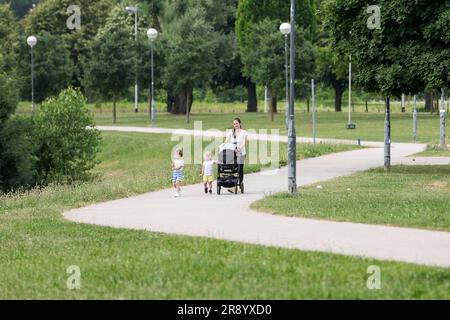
109,62
20,7
9,96
17,160
411,51
262,45
51,16
53,66
192,46
264,56
9,37
66,139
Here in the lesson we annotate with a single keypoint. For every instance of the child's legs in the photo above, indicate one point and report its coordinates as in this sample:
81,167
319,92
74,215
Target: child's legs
178,185
210,185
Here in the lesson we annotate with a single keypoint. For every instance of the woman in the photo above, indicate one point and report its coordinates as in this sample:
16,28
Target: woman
238,136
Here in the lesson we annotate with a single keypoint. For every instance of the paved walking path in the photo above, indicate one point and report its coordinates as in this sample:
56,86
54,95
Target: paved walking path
228,216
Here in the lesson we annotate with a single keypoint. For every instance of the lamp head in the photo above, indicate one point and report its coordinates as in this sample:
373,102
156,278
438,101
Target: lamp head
31,40
285,28
152,34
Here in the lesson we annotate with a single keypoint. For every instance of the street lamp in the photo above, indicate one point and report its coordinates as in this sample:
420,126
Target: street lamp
350,125
285,29
134,10
152,34
32,41
292,138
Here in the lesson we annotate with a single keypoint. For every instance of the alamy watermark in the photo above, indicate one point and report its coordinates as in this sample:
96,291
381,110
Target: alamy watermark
74,20
374,280
374,20
263,146
74,280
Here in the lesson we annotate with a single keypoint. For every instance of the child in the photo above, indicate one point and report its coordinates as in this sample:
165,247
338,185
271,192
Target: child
208,171
177,171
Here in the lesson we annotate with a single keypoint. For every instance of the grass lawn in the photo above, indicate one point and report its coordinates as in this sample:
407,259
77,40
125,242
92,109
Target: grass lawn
38,245
370,126
435,151
409,196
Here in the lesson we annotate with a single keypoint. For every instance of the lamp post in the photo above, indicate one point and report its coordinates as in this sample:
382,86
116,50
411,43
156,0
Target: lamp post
285,29
443,118
350,125
292,138
134,10
32,41
152,34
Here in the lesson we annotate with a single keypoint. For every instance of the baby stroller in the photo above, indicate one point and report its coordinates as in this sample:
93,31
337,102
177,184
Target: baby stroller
228,168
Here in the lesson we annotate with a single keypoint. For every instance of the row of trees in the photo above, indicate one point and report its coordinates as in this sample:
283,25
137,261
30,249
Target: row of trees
213,44
222,44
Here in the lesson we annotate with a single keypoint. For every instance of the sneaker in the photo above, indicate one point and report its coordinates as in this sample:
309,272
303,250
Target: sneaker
176,195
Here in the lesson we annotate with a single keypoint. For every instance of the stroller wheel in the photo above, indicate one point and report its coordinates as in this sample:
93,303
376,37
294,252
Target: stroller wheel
236,190
218,190
242,188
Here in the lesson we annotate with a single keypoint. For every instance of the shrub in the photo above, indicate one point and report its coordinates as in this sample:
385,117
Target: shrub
67,141
17,158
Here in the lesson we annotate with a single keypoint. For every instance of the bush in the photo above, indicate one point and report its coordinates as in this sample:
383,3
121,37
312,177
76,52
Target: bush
9,95
66,138
17,158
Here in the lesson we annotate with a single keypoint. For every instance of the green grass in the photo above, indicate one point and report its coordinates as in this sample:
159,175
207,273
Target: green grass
370,126
38,245
408,196
435,151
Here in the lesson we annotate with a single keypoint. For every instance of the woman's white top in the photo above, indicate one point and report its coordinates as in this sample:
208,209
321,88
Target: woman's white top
178,164
240,139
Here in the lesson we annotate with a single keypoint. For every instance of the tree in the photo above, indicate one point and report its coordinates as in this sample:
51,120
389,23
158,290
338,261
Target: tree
410,52
191,52
16,146
332,71
264,58
21,7
51,16
53,67
107,63
66,138
9,37
252,12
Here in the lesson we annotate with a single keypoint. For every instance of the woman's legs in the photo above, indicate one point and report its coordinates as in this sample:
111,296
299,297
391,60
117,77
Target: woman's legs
241,173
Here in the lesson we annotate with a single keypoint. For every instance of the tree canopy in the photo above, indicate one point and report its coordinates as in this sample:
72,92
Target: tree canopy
409,53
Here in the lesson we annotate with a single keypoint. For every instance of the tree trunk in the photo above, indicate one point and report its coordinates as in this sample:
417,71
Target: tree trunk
170,102
182,102
114,109
367,106
338,92
429,102
252,101
307,105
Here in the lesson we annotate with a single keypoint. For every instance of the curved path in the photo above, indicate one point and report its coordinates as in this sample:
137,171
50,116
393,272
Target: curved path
228,216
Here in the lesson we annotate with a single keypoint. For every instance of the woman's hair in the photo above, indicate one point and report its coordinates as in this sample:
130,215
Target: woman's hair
238,120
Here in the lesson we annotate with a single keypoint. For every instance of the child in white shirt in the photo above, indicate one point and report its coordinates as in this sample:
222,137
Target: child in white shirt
177,171
208,171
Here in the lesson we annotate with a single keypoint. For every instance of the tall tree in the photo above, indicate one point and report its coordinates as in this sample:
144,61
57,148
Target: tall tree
52,16
9,37
332,71
192,50
410,52
252,12
107,63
